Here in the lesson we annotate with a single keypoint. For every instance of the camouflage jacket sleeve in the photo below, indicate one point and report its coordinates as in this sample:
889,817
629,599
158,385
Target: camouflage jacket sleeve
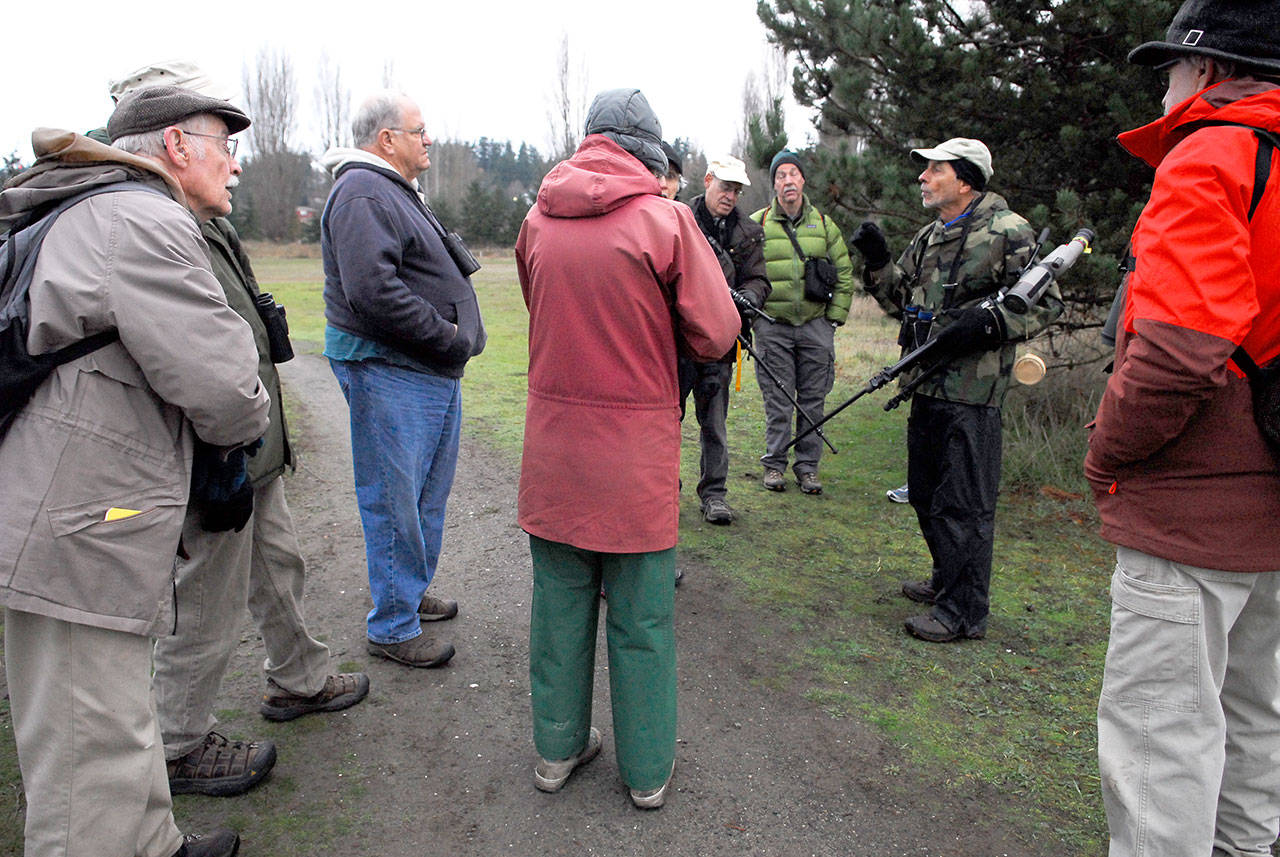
892,284
951,267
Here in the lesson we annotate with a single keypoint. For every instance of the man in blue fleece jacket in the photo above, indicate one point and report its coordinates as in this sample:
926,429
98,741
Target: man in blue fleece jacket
402,323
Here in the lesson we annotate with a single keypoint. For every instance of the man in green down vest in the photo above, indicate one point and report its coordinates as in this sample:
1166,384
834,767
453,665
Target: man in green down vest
798,347
944,281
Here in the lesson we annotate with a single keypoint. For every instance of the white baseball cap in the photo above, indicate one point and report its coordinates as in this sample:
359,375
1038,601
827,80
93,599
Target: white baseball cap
973,151
727,168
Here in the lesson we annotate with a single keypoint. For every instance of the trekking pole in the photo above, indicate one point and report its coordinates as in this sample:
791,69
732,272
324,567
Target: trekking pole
746,346
878,380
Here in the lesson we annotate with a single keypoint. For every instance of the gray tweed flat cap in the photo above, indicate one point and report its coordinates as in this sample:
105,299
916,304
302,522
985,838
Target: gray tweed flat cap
158,107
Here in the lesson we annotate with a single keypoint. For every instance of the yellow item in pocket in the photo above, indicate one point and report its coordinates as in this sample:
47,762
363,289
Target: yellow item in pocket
115,513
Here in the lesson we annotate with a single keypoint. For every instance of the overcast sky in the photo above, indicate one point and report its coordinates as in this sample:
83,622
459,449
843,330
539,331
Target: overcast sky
477,67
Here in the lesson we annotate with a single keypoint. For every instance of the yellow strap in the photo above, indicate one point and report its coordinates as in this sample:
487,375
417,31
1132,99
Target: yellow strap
738,357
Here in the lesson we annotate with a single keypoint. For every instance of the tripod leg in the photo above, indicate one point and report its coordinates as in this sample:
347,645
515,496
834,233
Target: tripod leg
764,367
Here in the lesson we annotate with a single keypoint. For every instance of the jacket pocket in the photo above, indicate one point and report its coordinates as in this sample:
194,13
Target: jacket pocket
118,567
1154,654
124,516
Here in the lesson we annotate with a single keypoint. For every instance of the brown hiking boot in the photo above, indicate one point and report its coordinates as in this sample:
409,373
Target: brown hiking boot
220,767
933,629
774,480
340,691
716,511
220,843
421,651
919,590
809,483
434,609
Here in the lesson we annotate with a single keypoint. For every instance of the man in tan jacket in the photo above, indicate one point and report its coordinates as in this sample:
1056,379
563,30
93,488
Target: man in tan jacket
95,469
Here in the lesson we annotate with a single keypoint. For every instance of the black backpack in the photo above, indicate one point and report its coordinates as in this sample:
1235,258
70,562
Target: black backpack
22,373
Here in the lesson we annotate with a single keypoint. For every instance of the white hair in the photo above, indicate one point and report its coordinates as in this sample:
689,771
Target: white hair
380,110
151,143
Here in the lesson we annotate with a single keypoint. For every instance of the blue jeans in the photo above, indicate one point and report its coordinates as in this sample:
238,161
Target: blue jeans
404,449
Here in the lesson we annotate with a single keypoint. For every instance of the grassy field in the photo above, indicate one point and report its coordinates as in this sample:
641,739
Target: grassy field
1015,711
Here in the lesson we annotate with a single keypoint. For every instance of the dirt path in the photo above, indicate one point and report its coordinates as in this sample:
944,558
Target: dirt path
440,761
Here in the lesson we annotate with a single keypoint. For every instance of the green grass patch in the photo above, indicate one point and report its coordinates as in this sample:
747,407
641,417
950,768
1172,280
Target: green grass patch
1017,710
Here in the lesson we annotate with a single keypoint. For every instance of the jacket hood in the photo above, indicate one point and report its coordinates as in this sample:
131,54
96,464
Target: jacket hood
600,177
625,117
1247,101
68,163
338,157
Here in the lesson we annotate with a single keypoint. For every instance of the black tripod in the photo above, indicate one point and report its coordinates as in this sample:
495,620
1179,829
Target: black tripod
746,307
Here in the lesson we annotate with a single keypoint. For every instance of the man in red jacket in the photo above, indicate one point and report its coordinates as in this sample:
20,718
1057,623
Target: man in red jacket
614,276
1189,717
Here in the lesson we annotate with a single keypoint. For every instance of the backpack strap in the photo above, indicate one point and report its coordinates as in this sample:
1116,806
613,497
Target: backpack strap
791,233
1268,142
17,266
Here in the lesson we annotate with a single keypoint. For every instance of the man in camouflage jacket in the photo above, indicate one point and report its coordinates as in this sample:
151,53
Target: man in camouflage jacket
976,247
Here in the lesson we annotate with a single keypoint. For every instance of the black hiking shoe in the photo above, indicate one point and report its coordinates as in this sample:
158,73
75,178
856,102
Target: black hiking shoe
221,768
220,843
919,590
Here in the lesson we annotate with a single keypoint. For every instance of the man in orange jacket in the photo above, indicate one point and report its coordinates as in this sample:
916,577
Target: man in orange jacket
1189,718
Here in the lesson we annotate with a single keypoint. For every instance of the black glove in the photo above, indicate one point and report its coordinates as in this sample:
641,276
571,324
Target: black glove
220,488
975,328
229,514
870,242
746,303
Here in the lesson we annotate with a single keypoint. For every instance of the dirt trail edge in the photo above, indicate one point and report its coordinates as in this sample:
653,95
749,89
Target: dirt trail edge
439,762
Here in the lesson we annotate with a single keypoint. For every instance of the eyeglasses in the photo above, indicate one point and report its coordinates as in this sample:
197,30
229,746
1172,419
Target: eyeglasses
229,145
421,132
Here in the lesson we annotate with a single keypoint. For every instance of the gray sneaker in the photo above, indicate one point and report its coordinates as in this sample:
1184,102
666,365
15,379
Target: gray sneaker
898,495
809,483
716,511
551,776
774,480
421,651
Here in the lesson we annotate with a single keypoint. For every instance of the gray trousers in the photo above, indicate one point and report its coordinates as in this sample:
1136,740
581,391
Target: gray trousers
1189,716
709,383
88,744
803,359
260,565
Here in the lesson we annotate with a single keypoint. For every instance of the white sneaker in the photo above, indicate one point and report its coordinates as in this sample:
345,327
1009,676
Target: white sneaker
550,776
653,798
898,495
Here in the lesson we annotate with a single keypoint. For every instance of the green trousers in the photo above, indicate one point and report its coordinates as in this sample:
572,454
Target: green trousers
640,628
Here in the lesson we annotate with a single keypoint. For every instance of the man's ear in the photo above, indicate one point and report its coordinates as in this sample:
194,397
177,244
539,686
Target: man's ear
178,150
384,139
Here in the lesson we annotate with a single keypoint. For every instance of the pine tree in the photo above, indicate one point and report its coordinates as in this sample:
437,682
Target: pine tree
1043,83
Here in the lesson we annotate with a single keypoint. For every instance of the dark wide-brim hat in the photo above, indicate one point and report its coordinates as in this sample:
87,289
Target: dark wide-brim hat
157,107
1245,31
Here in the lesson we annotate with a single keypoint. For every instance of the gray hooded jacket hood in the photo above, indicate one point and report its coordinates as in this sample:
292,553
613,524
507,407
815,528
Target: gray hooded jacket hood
625,117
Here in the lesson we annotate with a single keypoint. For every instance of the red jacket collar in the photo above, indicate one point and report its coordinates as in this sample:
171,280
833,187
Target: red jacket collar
1246,101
